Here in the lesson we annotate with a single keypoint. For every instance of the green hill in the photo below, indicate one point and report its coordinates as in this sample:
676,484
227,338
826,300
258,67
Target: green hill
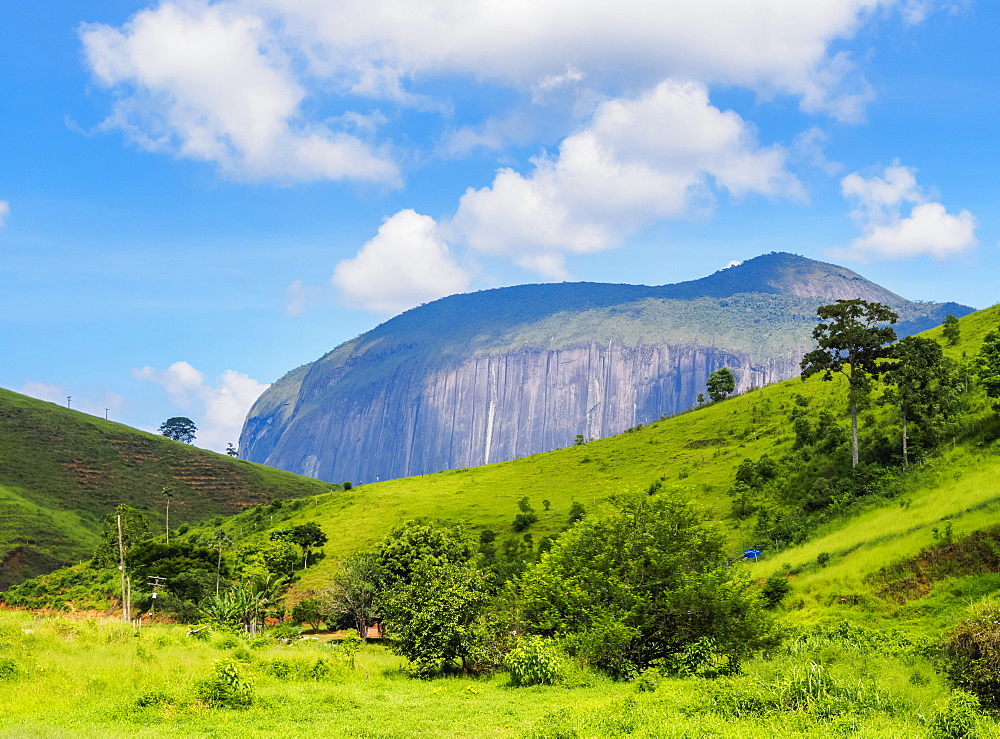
61,471
696,453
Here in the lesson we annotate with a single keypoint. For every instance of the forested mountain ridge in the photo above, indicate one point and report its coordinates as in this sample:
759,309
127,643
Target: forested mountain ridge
504,373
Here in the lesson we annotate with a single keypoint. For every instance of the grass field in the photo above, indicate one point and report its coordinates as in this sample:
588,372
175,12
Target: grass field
66,678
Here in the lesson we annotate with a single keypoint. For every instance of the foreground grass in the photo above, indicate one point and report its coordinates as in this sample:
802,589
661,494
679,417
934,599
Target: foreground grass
88,678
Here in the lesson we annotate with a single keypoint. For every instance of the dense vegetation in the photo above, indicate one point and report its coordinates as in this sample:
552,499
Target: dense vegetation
620,603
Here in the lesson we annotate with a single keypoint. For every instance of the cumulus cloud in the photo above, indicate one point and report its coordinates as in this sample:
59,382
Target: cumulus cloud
96,404
218,410
250,84
406,263
655,156
213,83
889,232
4,212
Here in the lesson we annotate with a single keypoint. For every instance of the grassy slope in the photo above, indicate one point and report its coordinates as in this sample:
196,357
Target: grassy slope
696,453
61,471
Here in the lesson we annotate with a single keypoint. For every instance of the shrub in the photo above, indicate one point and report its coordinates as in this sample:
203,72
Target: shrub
775,588
970,655
285,631
9,669
535,661
958,719
226,687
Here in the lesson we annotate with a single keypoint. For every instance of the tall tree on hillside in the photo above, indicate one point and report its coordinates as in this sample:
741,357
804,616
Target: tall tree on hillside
179,428
987,366
850,342
720,384
918,384
307,536
951,330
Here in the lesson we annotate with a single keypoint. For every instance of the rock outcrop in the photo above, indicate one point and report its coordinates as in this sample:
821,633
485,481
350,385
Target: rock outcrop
501,374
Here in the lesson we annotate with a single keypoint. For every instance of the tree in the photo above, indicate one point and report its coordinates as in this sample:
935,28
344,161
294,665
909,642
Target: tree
430,620
641,583
415,543
307,536
168,493
987,366
851,343
231,450
919,385
308,611
951,330
720,384
179,428
353,590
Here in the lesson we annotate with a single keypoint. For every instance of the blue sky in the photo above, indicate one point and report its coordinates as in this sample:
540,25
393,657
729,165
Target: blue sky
196,197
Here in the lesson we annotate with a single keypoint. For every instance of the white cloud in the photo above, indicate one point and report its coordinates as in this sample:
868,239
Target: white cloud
768,45
888,232
96,404
218,410
639,160
249,84
406,263
4,212
212,83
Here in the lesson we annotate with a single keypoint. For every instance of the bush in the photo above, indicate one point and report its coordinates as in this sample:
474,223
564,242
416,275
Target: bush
535,661
959,718
774,590
225,688
970,655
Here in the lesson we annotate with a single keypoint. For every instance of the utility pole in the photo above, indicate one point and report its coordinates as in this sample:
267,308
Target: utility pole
155,582
126,610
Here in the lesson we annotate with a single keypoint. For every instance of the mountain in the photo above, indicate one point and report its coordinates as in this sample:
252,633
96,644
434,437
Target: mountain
501,374
62,471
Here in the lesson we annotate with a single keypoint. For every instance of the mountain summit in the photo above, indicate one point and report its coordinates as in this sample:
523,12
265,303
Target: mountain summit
499,374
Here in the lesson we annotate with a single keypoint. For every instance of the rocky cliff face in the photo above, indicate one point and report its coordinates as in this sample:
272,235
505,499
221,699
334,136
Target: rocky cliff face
502,374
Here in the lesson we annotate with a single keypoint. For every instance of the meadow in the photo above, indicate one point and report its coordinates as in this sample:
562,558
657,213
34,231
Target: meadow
63,677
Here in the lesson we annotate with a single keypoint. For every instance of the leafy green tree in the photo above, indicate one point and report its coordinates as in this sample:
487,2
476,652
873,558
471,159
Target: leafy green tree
951,330
308,611
987,366
307,536
526,517
851,342
231,450
274,557
179,428
720,384
417,543
576,512
641,583
430,620
354,589
918,385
